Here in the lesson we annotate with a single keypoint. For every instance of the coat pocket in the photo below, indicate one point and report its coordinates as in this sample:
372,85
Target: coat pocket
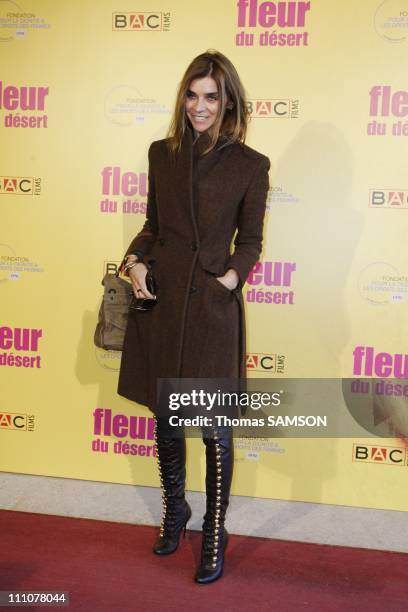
219,286
212,280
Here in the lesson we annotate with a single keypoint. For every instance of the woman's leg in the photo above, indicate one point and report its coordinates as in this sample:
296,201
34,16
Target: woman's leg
171,454
219,460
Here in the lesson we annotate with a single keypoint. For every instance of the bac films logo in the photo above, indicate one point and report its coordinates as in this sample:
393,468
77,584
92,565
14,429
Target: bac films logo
274,109
16,421
269,363
141,21
20,185
386,455
396,199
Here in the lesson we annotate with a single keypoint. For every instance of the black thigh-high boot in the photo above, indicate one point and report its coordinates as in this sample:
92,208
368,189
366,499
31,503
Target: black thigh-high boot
219,459
171,454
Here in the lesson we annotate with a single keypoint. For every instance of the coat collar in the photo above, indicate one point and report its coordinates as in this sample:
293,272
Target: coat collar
199,144
183,171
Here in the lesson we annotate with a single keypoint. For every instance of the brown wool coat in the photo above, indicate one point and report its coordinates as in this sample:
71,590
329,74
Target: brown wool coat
197,327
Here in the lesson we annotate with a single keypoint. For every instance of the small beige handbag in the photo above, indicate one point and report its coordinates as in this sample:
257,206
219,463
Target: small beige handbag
113,312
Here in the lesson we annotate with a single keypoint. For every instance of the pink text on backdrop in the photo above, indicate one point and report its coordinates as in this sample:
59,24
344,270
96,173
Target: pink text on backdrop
121,425
385,102
128,183
269,14
20,339
271,274
368,362
13,98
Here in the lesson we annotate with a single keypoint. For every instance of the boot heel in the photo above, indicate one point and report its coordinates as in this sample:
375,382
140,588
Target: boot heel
171,457
187,519
168,540
219,463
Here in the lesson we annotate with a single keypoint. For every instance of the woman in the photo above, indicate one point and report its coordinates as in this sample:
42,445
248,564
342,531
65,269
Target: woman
204,184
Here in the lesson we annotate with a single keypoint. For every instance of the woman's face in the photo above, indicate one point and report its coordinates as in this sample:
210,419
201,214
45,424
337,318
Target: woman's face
202,103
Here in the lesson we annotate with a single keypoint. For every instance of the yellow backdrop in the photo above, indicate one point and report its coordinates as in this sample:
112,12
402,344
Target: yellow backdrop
84,90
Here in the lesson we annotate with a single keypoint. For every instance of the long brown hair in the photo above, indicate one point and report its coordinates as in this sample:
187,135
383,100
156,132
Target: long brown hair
231,122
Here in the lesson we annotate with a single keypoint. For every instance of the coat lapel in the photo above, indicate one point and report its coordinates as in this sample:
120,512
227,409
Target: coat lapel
203,166
183,179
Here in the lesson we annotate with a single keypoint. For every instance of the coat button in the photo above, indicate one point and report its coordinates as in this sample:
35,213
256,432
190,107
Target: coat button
192,289
194,245
161,241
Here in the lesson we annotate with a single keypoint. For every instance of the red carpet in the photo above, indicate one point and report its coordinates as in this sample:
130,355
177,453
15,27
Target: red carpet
108,566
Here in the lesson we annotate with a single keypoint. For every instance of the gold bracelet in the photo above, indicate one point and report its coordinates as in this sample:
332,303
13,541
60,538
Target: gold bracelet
128,266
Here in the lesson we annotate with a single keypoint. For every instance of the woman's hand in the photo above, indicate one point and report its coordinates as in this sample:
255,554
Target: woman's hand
137,275
230,279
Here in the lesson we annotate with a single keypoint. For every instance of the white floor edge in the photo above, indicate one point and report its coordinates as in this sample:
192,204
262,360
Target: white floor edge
284,520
